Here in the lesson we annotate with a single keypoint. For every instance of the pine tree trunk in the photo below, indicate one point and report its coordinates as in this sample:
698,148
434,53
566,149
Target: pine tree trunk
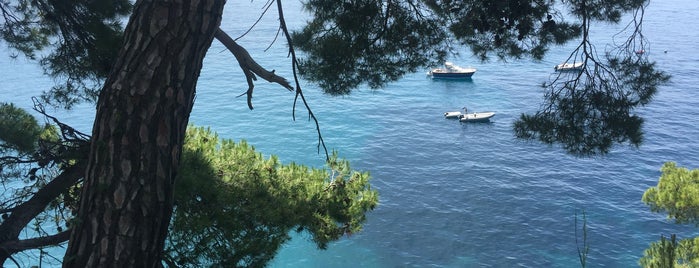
142,114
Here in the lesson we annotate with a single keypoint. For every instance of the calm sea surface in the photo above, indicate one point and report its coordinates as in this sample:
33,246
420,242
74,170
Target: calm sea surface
451,194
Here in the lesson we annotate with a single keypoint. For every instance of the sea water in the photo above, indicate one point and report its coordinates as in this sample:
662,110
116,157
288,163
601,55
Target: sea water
452,194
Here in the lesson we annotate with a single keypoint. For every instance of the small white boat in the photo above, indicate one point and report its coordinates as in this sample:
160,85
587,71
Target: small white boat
451,71
569,67
465,116
476,117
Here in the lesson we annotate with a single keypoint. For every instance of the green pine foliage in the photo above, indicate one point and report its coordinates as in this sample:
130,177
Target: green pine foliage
676,194
76,42
668,253
660,254
19,131
393,38
31,155
235,207
688,253
399,37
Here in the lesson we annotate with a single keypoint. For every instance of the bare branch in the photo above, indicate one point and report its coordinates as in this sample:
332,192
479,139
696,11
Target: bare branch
45,241
25,212
294,66
250,66
68,133
266,8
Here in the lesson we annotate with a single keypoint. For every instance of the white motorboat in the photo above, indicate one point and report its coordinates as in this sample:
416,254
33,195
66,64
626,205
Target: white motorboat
569,67
476,117
451,71
465,116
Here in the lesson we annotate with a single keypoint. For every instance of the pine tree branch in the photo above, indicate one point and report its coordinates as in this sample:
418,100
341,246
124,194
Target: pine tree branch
39,242
250,66
25,212
294,67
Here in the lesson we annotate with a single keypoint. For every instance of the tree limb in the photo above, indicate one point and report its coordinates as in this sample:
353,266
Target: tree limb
20,245
25,212
294,67
249,65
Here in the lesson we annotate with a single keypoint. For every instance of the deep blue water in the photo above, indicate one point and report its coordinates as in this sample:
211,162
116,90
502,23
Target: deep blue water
451,194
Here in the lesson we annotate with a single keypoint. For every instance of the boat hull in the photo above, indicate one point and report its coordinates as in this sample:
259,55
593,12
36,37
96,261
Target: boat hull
452,115
452,75
476,117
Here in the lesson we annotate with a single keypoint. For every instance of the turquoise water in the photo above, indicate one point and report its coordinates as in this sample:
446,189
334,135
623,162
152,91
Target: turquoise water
451,194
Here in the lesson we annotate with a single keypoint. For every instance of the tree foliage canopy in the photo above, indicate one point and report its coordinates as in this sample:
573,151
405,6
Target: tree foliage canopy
233,206
20,130
676,194
585,112
76,42
236,208
379,41
397,37
372,42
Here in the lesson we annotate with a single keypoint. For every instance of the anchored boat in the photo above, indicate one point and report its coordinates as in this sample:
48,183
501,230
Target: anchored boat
451,71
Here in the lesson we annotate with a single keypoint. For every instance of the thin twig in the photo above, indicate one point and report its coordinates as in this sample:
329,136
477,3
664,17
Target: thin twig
299,92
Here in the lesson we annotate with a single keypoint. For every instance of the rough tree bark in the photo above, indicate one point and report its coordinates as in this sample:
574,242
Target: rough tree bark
142,115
